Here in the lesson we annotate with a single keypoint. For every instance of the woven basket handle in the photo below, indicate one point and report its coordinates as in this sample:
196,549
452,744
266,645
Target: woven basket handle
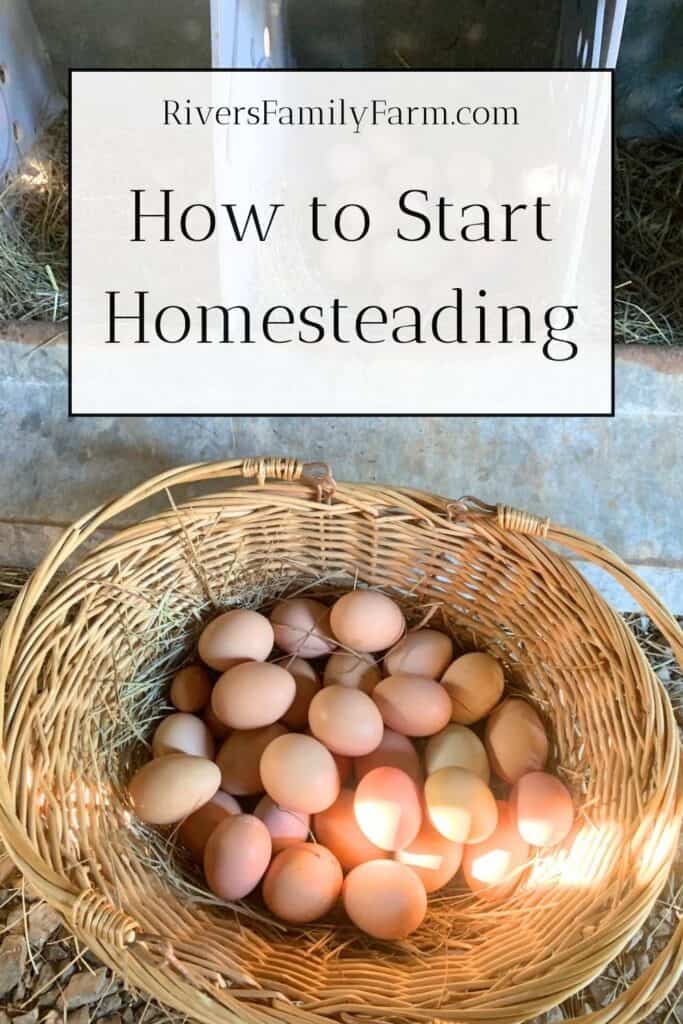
517,521
316,475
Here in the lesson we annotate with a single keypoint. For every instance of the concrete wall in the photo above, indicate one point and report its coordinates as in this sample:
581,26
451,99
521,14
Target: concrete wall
619,479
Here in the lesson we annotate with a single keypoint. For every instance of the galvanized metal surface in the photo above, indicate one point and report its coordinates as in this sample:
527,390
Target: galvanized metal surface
28,97
619,480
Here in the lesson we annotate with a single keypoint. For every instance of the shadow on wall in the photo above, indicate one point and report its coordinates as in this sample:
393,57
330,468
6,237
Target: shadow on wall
421,33
80,33
649,81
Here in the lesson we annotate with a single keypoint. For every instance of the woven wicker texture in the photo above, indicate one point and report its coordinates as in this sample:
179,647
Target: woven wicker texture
85,660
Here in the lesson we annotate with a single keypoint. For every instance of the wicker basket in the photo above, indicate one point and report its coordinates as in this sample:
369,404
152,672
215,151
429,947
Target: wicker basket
75,643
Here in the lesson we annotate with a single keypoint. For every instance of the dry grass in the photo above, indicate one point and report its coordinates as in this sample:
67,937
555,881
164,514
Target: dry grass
649,242
143,697
648,239
34,237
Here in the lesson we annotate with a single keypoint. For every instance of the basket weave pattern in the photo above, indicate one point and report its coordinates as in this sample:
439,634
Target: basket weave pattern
72,728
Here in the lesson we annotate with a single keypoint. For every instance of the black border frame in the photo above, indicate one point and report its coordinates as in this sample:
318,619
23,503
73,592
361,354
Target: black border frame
359,415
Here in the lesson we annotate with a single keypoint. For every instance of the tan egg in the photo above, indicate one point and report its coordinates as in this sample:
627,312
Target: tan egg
239,758
302,626
387,808
195,830
300,773
421,652
461,806
543,808
358,671
303,883
412,705
183,734
516,740
236,636
219,730
474,683
285,827
346,721
252,695
237,856
170,788
433,858
498,860
191,688
385,899
367,621
395,751
337,829
307,685
456,746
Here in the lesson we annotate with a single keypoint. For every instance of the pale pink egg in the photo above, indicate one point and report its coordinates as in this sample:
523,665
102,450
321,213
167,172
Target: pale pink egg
347,721
337,829
302,627
412,705
498,860
432,857
285,827
543,808
387,808
384,898
235,636
303,883
236,856
394,751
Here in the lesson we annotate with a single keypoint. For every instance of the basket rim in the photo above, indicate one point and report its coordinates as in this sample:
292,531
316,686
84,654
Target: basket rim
106,929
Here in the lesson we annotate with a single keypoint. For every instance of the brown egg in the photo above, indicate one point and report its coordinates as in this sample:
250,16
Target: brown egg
191,688
302,626
195,830
367,621
421,652
252,695
303,883
498,860
236,636
337,829
543,808
461,806
170,788
344,767
236,857
387,808
516,741
307,685
219,730
456,746
412,705
298,772
385,899
346,721
359,671
474,683
183,734
239,758
394,751
433,858
285,827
